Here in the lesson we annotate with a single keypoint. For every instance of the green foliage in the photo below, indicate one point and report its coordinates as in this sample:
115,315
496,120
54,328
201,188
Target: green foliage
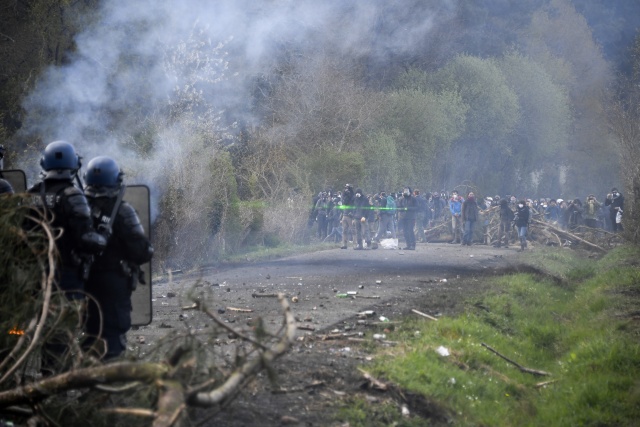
542,131
493,106
491,117
574,332
423,124
332,169
381,159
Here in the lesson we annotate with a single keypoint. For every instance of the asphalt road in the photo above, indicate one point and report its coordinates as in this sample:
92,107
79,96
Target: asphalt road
386,281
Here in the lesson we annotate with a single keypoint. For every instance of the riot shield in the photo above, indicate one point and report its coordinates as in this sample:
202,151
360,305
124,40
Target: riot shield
138,197
16,178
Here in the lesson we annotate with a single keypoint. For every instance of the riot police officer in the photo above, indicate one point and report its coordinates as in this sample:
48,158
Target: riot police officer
65,207
114,273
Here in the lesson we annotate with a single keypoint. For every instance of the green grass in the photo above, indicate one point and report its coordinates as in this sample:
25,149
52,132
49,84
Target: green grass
583,334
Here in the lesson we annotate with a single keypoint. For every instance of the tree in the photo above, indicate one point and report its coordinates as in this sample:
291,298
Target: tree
491,116
542,131
560,40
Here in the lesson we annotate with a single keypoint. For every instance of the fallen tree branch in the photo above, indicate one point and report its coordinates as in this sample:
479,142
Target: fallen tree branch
240,310
82,378
254,295
374,383
47,290
567,235
138,412
251,367
423,314
545,383
520,367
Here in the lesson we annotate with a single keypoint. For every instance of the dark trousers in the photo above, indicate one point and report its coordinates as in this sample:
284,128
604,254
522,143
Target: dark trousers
109,310
615,227
54,356
408,224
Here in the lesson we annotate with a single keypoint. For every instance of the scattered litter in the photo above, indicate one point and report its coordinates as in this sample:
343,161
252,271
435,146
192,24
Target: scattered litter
443,280
378,282
365,314
470,256
389,243
361,287
352,293
405,411
443,351
452,381
141,339
254,295
240,310
383,319
379,337
182,317
294,299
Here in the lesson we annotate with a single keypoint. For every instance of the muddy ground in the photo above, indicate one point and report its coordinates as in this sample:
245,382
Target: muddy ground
317,376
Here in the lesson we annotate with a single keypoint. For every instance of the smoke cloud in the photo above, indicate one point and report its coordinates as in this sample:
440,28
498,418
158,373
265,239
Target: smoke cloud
140,60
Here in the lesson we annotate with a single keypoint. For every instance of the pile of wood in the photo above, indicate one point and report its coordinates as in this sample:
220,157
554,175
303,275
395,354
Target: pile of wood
540,231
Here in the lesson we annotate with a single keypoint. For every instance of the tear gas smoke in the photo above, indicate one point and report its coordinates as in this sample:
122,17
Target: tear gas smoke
145,72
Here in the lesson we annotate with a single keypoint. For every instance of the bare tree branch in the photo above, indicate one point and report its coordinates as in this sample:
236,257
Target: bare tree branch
252,366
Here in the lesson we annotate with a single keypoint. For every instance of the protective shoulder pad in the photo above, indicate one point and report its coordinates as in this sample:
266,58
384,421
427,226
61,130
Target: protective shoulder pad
130,219
77,202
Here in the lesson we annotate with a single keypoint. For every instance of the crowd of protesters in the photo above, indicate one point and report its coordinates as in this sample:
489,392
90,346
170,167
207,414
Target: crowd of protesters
365,219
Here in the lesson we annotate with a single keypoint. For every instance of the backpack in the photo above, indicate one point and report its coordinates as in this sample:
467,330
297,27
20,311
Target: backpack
391,205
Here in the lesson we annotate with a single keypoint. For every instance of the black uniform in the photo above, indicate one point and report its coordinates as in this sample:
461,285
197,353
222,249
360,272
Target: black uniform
113,274
70,211
616,204
407,211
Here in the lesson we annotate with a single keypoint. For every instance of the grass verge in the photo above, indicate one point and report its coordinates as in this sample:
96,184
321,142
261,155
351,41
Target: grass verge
583,331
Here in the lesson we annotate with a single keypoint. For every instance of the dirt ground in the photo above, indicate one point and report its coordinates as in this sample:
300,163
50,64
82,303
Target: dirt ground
317,375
